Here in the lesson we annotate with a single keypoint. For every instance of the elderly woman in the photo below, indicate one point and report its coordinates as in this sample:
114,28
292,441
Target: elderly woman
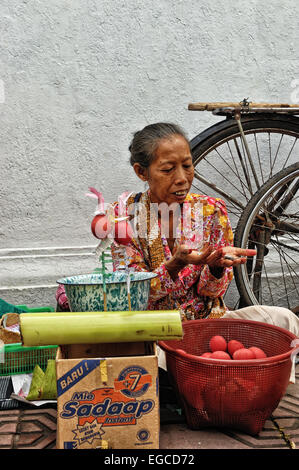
192,280
186,239
193,260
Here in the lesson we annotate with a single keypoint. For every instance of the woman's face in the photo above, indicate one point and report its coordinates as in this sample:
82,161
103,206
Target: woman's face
171,173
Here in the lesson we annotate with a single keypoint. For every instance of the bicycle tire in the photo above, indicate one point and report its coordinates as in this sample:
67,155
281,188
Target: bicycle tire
226,182
252,221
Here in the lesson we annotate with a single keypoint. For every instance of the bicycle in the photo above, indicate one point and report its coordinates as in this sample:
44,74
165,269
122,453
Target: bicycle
235,159
270,224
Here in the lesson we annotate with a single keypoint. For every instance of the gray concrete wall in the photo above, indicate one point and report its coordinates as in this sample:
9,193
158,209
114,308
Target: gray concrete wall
78,77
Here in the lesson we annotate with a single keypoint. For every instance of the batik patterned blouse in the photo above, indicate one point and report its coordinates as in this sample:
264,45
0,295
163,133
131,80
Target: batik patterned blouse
195,292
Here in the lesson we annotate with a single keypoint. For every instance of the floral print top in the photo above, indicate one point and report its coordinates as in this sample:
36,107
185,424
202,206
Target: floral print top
195,292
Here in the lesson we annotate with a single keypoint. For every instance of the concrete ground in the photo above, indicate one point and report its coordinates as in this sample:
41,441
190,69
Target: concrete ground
35,428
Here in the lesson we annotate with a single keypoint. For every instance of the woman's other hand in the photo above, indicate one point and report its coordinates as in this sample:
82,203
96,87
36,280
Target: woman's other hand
228,256
217,259
183,255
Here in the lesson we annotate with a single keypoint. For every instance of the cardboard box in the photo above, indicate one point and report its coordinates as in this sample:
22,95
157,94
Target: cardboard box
108,396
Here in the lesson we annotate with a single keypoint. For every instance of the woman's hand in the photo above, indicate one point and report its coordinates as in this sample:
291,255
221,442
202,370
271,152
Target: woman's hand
217,260
227,256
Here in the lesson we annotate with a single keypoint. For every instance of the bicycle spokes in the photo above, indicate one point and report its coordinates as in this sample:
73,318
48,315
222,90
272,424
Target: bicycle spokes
237,165
273,230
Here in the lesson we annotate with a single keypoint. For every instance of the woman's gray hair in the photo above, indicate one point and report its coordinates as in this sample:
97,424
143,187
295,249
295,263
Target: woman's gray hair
145,142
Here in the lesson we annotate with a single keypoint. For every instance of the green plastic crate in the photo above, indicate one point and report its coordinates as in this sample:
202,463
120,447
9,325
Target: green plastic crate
6,307
20,359
36,309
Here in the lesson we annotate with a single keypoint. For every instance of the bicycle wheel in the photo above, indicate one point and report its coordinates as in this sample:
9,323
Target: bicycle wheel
270,224
222,167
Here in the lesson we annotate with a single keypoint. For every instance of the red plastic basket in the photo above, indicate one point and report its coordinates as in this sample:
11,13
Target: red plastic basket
228,393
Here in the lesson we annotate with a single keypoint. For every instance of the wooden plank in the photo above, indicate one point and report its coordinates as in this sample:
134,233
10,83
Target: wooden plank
202,106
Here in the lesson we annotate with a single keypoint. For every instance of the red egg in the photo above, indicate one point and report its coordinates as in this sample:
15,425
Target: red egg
220,355
181,351
123,232
240,395
217,343
243,355
232,396
100,226
191,392
258,352
233,346
206,354
213,391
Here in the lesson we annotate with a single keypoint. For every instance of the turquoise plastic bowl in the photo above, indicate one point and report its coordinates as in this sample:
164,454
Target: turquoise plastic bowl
85,292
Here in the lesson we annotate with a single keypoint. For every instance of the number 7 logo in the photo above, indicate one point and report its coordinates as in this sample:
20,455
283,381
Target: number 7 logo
136,378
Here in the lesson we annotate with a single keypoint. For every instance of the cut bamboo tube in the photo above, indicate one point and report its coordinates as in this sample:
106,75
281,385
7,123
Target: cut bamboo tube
99,327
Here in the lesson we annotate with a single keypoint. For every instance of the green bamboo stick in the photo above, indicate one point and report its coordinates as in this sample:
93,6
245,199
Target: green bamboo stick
104,280
129,301
129,290
105,256
99,327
